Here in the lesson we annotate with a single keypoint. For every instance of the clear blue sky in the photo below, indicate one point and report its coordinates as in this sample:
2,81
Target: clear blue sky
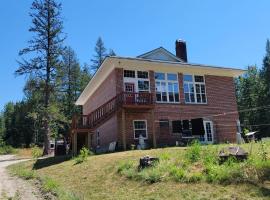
225,33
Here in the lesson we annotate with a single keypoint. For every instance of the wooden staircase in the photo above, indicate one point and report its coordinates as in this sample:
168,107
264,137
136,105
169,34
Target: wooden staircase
126,100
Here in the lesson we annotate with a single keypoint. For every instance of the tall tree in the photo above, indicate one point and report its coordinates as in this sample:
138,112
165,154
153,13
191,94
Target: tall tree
69,74
265,98
111,53
44,49
99,56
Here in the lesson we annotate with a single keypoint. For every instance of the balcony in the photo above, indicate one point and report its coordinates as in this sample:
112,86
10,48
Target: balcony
124,100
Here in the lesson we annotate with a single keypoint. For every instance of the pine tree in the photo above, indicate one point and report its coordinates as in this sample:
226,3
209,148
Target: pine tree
111,53
99,56
43,53
70,81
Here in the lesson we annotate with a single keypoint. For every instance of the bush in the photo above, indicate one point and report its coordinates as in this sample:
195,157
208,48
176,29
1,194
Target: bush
36,152
193,152
6,149
82,157
177,173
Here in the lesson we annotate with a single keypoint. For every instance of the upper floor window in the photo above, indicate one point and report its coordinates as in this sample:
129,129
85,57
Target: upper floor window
194,89
167,89
129,73
142,74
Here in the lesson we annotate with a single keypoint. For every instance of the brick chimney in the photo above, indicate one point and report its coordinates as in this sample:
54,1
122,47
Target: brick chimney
181,50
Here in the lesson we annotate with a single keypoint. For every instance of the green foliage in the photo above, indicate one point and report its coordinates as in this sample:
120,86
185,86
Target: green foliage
193,153
6,149
83,155
199,164
36,152
262,151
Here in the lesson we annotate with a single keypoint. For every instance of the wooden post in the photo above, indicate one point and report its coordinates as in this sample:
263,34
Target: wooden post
89,140
74,146
153,129
124,130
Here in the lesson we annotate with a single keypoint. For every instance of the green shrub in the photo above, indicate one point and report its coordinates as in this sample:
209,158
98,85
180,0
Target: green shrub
49,185
124,165
193,152
36,152
6,149
82,157
178,174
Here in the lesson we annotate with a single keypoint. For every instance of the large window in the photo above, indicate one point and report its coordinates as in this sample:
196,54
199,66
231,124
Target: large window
167,89
139,78
194,89
140,128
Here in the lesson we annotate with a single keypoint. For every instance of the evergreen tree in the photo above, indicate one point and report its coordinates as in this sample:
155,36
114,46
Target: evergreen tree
111,53
265,97
85,77
44,49
99,56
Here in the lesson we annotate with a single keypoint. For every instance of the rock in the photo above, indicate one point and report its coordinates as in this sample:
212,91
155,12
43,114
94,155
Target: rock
147,161
232,151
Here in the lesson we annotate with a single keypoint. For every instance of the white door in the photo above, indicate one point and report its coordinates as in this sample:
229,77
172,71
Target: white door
208,137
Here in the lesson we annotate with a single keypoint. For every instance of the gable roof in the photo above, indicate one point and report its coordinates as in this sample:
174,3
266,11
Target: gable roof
160,54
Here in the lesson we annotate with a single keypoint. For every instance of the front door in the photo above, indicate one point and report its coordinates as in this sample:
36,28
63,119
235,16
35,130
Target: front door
129,95
208,137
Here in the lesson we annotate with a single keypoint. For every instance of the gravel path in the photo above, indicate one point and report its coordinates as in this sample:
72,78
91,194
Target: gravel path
12,187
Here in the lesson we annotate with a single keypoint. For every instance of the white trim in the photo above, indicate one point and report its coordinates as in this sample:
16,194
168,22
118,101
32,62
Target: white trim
205,134
144,120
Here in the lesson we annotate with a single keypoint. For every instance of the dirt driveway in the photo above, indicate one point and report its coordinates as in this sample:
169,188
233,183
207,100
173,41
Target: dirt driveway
13,187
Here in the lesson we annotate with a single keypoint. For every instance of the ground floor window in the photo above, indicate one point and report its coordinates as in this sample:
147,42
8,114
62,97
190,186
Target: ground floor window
98,138
177,126
140,128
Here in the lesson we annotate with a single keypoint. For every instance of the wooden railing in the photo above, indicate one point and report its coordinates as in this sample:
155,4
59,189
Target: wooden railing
100,114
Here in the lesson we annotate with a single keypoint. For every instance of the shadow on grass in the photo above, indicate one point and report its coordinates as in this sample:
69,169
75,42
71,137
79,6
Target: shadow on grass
46,162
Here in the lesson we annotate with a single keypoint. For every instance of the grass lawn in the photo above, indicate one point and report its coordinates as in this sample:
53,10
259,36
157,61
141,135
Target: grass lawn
99,178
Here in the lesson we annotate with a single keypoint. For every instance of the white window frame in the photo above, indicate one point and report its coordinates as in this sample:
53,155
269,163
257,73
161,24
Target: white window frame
166,81
194,86
205,134
136,80
141,120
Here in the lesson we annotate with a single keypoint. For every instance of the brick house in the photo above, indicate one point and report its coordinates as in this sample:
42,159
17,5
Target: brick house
155,95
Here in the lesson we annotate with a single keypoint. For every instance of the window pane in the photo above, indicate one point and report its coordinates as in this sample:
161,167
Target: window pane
199,79
176,97
163,87
191,88
203,98
192,97
160,76
129,73
172,77
186,88
142,74
139,125
143,85
197,88
198,98
164,96
171,97
176,126
158,96
202,88
170,87
188,78
140,132
187,97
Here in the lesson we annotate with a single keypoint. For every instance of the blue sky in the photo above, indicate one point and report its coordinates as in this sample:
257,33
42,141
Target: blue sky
224,33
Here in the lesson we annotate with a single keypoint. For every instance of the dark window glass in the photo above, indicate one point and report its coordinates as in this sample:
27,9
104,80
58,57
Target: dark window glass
164,96
192,98
187,97
199,98
176,97
129,73
142,74
158,96
176,126
199,79
143,85
197,88
171,97
140,132
203,98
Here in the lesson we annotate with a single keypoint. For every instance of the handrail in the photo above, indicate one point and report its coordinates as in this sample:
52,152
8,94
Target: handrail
105,110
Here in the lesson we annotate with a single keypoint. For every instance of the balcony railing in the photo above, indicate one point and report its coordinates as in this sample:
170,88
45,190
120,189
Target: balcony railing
103,112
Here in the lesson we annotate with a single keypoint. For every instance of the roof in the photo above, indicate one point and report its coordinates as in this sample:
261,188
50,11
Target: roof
146,62
160,54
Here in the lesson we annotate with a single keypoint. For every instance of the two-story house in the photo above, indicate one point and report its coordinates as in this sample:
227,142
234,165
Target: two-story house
158,96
